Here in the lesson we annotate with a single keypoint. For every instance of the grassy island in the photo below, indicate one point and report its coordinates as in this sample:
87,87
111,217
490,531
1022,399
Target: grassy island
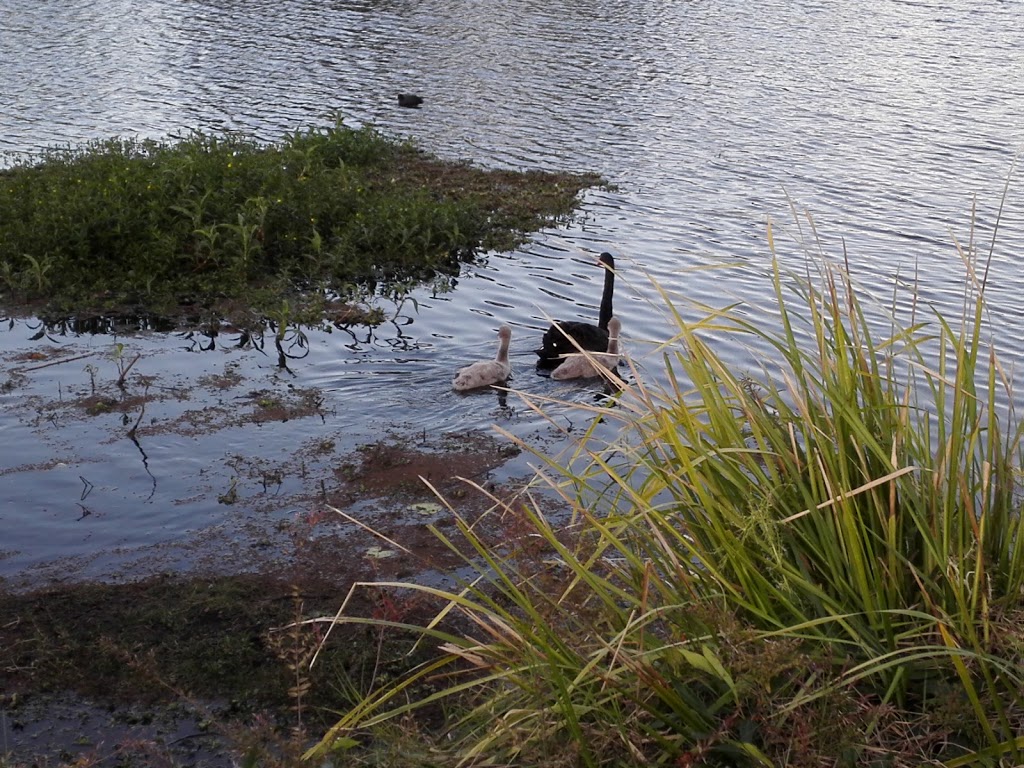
153,225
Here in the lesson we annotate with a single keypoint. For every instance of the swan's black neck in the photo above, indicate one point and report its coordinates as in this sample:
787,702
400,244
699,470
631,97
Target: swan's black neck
605,313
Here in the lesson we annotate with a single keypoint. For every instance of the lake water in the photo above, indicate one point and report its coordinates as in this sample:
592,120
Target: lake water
887,121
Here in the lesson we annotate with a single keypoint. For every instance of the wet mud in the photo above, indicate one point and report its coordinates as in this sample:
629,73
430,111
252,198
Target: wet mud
181,652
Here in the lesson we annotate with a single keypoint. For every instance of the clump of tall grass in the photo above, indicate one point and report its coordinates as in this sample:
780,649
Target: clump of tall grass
821,565
207,217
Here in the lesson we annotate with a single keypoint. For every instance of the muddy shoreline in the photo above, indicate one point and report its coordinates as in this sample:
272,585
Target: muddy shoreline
196,667
176,653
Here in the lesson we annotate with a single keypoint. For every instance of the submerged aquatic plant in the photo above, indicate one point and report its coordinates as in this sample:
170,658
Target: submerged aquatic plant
821,564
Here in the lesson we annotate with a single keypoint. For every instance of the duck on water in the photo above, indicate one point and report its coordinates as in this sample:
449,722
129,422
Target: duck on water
586,365
593,338
410,100
487,372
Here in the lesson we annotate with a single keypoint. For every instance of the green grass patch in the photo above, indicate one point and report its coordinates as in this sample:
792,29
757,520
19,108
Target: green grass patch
207,218
817,564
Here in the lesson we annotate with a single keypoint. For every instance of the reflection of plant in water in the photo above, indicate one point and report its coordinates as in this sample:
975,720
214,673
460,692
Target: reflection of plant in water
400,293
287,332
91,370
142,412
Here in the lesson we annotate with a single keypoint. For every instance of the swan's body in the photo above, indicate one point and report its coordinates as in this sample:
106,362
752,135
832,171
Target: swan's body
487,372
409,100
584,366
594,338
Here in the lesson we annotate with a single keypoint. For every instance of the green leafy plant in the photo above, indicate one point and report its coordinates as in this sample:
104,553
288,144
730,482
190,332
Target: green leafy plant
206,217
124,365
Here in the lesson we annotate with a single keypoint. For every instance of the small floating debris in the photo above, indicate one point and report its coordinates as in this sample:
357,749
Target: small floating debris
427,508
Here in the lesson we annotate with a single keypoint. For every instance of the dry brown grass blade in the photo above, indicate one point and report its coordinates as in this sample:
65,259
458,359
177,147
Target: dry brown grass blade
850,494
370,529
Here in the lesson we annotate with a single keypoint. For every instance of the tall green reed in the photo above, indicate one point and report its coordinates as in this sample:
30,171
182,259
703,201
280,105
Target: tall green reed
821,563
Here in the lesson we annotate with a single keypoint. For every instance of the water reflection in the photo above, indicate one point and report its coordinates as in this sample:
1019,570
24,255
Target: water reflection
91,325
206,333
894,124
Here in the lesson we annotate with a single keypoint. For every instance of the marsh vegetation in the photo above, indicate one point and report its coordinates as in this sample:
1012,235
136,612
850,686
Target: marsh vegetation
208,219
817,565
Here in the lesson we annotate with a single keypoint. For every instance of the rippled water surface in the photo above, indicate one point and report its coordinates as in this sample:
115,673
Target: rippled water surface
887,121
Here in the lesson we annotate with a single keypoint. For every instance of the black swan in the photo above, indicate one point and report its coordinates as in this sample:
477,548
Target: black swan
409,100
593,338
487,372
585,366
